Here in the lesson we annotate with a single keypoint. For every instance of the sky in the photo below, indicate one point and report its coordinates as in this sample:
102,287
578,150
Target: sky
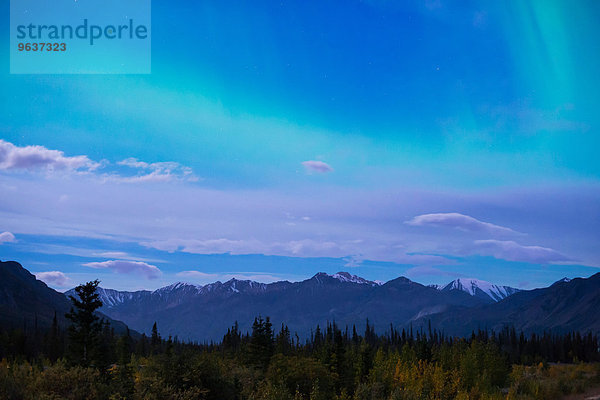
426,139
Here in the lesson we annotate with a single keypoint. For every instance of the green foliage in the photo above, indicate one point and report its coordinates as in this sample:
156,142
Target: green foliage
299,374
332,365
59,381
551,382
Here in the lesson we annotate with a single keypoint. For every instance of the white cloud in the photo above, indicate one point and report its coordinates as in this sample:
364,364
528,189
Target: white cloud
458,221
54,278
127,267
317,166
14,158
513,251
347,249
134,163
304,247
154,172
196,275
38,157
6,237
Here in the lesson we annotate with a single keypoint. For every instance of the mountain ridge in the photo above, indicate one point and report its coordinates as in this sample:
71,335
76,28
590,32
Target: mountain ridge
484,290
566,305
204,312
341,297
28,302
479,288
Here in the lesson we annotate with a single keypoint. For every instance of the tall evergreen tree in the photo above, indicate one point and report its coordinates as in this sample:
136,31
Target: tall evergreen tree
85,326
261,343
155,340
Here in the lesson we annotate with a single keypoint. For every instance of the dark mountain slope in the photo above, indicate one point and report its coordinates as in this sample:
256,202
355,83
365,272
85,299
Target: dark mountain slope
564,306
23,298
26,301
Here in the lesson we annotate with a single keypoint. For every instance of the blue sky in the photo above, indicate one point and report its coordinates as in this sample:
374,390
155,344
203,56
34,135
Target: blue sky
426,139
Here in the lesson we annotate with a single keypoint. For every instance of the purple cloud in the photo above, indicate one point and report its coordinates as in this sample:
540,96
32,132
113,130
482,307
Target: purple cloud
6,237
317,166
54,278
458,221
38,157
513,251
128,267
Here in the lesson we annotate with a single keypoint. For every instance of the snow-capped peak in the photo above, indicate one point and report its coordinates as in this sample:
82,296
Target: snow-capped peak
110,297
177,286
477,287
565,279
346,277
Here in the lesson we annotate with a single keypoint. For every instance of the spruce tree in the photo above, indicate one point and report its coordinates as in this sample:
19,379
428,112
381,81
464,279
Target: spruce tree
261,343
85,326
155,340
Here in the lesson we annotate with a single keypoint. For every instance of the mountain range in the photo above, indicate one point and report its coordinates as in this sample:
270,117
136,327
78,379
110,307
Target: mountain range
205,312
196,312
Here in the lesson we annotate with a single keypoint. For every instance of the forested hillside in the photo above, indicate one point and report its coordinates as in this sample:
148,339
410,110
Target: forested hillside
87,359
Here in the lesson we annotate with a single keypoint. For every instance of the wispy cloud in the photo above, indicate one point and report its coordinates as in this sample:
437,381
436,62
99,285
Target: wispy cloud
458,221
304,247
203,277
196,275
127,267
317,166
513,251
354,261
349,250
39,157
209,246
6,237
154,172
54,278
